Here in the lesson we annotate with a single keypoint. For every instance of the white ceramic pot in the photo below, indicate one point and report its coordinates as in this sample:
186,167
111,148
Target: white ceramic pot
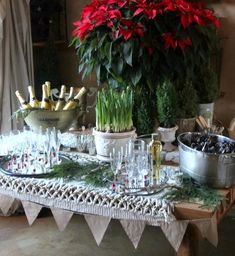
168,136
105,142
207,111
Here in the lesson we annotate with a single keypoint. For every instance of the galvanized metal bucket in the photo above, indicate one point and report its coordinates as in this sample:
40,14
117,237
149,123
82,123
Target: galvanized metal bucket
214,170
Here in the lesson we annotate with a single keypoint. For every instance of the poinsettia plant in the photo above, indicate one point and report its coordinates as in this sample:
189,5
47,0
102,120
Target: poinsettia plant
141,42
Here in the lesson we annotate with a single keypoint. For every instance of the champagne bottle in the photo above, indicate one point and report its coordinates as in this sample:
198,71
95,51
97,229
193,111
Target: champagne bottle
23,102
73,103
33,101
45,101
71,92
155,147
61,101
52,103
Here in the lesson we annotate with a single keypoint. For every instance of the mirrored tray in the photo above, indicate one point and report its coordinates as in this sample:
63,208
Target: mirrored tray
4,162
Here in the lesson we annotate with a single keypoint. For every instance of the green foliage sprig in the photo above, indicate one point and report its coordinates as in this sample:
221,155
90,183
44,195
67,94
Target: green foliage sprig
191,192
91,173
166,104
114,110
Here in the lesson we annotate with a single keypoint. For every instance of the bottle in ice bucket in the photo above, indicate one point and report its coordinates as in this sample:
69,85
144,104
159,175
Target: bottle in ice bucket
23,102
155,148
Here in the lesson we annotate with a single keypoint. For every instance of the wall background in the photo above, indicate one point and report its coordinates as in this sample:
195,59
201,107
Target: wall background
225,106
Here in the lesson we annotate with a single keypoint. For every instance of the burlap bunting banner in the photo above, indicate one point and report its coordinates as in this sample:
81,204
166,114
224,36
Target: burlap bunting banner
98,226
31,211
62,217
174,232
208,229
134,229
6,203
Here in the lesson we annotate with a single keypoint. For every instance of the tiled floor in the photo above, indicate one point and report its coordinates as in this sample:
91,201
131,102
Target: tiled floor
44,238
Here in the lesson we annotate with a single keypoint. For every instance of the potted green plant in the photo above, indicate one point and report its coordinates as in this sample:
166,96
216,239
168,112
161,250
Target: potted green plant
142,43
187,107
207,88
114,126
167,110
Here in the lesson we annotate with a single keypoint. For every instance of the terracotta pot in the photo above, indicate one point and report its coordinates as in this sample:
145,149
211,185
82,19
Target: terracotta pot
168,136
105,142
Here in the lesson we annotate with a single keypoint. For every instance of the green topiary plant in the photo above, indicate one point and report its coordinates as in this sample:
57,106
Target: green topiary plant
187,101
206,84
144,111
167,104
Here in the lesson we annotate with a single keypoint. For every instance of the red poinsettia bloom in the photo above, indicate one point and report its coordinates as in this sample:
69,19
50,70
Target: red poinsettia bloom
129,28
105,12
171,41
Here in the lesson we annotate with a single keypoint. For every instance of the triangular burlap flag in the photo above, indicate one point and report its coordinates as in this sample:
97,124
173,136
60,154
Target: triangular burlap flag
174,232
208,229
31,211
62,217
98,226
134,229
6,203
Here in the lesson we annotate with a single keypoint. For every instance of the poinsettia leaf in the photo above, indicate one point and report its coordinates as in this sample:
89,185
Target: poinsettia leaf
98,67
80,68
84,73
117,65
136,75
128,52
101,41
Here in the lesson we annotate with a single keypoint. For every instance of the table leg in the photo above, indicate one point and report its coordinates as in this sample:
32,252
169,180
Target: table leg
190,243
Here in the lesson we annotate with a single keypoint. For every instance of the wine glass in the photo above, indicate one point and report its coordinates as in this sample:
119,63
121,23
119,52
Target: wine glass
55,143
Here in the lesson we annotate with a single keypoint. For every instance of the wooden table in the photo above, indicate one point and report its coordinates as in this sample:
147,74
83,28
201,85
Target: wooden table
189,211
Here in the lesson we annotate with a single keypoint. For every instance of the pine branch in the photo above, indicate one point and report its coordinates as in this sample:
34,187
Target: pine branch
91,173
191,192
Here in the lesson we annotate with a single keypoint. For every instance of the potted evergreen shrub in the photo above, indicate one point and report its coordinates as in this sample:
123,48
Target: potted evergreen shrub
207,88
187,107
167,110
114,126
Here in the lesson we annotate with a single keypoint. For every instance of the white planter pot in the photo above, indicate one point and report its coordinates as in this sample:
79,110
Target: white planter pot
168,136
105,142
207,111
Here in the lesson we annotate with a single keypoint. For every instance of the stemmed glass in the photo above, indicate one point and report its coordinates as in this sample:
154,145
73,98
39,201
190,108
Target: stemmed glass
116,160
81,142
55,137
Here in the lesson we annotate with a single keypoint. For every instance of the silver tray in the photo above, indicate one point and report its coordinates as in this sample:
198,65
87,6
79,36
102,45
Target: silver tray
3,163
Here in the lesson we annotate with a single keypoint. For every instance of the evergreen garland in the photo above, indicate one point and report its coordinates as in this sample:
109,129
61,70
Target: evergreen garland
91,173
191,192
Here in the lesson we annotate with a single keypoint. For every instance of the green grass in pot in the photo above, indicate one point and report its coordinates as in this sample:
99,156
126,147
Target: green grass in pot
114,110
166,104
